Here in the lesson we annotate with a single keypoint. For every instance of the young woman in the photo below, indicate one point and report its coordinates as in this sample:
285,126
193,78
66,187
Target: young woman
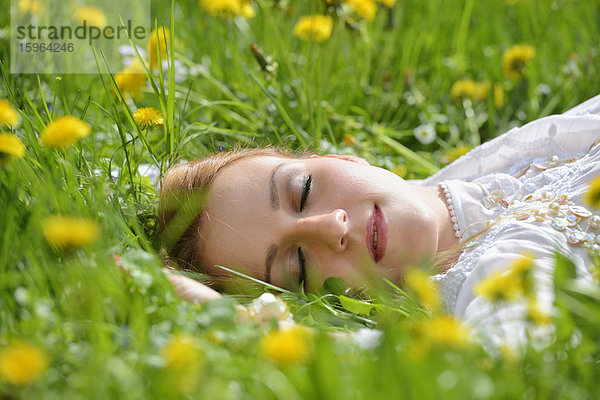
291,220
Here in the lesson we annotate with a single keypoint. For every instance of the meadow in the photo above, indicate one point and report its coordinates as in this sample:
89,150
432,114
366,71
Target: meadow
409,85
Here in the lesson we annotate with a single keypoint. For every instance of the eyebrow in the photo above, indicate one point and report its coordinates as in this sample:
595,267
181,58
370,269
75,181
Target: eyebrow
271,254
273,188
273,249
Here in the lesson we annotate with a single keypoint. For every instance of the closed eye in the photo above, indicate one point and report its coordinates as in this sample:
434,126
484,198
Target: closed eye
305,192
302,267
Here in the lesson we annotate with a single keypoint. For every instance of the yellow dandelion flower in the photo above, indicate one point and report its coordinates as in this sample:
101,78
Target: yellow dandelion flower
131,80
515,59
365,9
246,10
10,148
314,27
522,268
388,3
447,331
535,314
181,352
591,197
22,363
66,232
524,264
471,89
348,139
595,273
500,286
482,90
64,131
498,95
455,153
183,362
229,8
160,37
419,282
93,16
400,170
463,88
287,346
9,117
148,116
510,283
508,353
28,6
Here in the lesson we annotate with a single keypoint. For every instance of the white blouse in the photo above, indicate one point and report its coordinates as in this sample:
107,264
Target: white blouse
527,186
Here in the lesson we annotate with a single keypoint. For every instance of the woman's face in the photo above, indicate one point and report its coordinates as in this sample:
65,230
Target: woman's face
291,220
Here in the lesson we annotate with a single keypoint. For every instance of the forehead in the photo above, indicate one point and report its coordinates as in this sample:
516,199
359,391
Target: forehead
238,225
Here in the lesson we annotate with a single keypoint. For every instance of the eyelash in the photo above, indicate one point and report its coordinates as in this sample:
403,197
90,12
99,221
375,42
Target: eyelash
305,192
302,265
301,258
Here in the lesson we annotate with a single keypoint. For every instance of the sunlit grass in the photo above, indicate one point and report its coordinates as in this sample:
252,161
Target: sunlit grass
97,316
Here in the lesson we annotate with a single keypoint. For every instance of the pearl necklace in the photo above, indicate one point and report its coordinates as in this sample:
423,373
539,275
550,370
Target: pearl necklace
450,206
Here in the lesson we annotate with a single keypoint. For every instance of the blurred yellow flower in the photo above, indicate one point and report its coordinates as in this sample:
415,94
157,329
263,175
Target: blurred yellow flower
591,197
314,27
388,3
229,8
28,6
348,139
523,265
181,352
498,95
499,286
10,148
515,59
595,273
131,80
22,363
8,115
158,38
183,362
535,313
64,131
471,89
287,346
455,153
365,9
93,16
447,331
508,284
419,282
508,353
66,232
401,170
463,88
442,331
148,116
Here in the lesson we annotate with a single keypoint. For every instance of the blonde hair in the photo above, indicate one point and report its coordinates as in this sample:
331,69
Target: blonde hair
183,193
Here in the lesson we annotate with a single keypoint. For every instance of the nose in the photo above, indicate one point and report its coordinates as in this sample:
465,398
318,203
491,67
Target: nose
329,228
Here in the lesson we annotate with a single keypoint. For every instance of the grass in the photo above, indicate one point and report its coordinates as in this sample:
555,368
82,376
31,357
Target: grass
104,314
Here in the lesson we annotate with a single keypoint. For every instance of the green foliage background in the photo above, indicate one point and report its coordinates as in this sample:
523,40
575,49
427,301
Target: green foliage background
103,330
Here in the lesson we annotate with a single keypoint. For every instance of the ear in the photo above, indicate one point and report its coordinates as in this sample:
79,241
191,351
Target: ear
344,157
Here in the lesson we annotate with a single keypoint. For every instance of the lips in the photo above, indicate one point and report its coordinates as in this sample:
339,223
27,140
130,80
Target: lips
377,232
